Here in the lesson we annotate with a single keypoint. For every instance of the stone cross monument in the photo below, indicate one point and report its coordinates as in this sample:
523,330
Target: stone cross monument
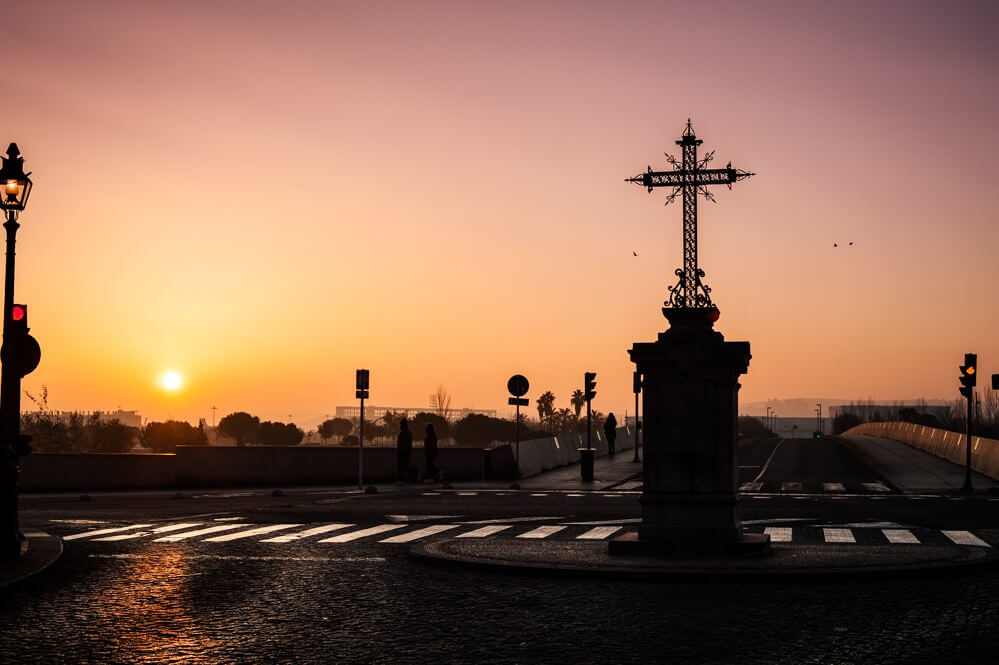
691,387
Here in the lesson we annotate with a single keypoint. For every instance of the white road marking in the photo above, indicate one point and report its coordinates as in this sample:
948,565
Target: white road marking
778,534
762,497
900,536
363,533
541,532
539,494
139,534
838,536
965,538
630,485
876,487
419,533
769,459
308,533
259,531
484,531
431,494
750,487
585,495
467,493
101,532
791,486
610,495
598,533
177,537
833,487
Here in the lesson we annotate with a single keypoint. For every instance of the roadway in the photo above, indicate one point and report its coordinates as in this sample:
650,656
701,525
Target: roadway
257,583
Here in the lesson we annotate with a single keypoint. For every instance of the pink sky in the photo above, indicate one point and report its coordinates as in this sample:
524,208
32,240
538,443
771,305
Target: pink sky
264,196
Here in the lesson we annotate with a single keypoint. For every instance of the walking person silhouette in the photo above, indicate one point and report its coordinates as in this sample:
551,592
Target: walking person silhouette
404,450
610,429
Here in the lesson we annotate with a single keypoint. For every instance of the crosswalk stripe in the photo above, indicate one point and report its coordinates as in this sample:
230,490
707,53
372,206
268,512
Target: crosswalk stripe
630,485
598,533
750,487
541,532
833,487
139,534
900,536
419,533
298,535
838,536
791,486
965,538
101,532
779,534
259,531
467,493
363,533
177,537
484,531
876,487
539,494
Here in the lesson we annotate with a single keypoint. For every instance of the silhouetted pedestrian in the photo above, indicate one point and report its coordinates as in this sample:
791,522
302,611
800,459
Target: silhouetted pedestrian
430,452
404,450
610,429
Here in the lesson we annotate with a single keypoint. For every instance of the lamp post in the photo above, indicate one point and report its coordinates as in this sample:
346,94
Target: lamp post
20,354
770,424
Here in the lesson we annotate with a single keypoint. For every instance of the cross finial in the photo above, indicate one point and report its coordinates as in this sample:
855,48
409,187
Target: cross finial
689,130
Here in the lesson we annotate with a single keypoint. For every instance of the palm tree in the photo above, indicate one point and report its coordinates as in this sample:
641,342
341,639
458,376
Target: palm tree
546,405
577,401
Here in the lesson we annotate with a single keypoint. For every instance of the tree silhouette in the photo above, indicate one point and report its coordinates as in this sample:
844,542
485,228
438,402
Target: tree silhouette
165,437
578,401
339,427
240,426
546,406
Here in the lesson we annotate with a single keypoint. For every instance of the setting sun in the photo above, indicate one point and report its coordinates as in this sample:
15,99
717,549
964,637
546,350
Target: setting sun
171,380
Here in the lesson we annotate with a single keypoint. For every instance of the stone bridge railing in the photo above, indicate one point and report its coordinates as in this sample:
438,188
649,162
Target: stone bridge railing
940,442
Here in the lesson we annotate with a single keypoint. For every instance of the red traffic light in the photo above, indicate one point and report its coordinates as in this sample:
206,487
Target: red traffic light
18,312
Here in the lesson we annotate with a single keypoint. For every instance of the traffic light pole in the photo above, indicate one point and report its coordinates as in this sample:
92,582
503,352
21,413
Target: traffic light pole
638,428
12,542
360,452
967,461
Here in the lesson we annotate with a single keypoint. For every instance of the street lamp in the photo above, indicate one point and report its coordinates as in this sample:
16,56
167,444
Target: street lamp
20,354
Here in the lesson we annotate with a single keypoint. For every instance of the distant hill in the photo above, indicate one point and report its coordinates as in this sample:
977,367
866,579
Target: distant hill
804,407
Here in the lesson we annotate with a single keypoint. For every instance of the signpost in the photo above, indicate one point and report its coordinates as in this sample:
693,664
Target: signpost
518,387
361,393
636,382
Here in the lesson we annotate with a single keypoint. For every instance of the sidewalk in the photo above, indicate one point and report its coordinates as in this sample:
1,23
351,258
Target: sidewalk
43,550
910,469
607,471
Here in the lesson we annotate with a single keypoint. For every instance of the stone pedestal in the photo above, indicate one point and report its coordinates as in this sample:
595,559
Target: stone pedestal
690,392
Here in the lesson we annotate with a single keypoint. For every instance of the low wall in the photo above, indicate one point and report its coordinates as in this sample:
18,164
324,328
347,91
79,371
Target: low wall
942,443
218,466
537,455
70,472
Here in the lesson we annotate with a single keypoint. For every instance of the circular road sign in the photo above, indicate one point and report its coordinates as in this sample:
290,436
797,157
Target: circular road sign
518,385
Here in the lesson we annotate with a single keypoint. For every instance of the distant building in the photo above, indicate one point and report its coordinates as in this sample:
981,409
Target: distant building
130,418
376,412
888,412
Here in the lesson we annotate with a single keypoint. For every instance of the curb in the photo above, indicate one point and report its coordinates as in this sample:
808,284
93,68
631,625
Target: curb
43,550
982,558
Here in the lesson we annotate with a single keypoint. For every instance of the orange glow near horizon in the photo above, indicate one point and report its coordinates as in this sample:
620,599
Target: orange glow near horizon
452,210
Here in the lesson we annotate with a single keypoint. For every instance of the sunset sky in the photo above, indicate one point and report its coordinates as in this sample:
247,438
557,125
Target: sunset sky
265,196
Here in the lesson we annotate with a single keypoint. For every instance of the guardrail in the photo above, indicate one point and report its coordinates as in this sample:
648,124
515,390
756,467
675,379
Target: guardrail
940,442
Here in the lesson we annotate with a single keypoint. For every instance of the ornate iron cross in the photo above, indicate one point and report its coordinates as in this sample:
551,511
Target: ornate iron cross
690,178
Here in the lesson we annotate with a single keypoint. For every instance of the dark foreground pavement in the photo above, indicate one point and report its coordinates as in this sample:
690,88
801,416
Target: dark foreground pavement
135,595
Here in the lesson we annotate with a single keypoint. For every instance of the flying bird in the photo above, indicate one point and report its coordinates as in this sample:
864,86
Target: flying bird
851,242
636,253
835,245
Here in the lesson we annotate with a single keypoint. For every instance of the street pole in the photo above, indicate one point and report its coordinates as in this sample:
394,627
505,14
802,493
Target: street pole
588,428
637,385
967,461
518,435
10,411
360,452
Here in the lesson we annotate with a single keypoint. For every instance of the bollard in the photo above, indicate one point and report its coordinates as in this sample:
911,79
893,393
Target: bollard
586,456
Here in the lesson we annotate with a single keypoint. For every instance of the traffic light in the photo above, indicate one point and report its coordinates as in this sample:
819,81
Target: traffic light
588,385
995,382
969,374
20,352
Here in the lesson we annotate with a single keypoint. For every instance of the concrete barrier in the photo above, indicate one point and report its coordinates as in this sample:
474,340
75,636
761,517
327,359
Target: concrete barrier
537,455
72,472
223,466
942,443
